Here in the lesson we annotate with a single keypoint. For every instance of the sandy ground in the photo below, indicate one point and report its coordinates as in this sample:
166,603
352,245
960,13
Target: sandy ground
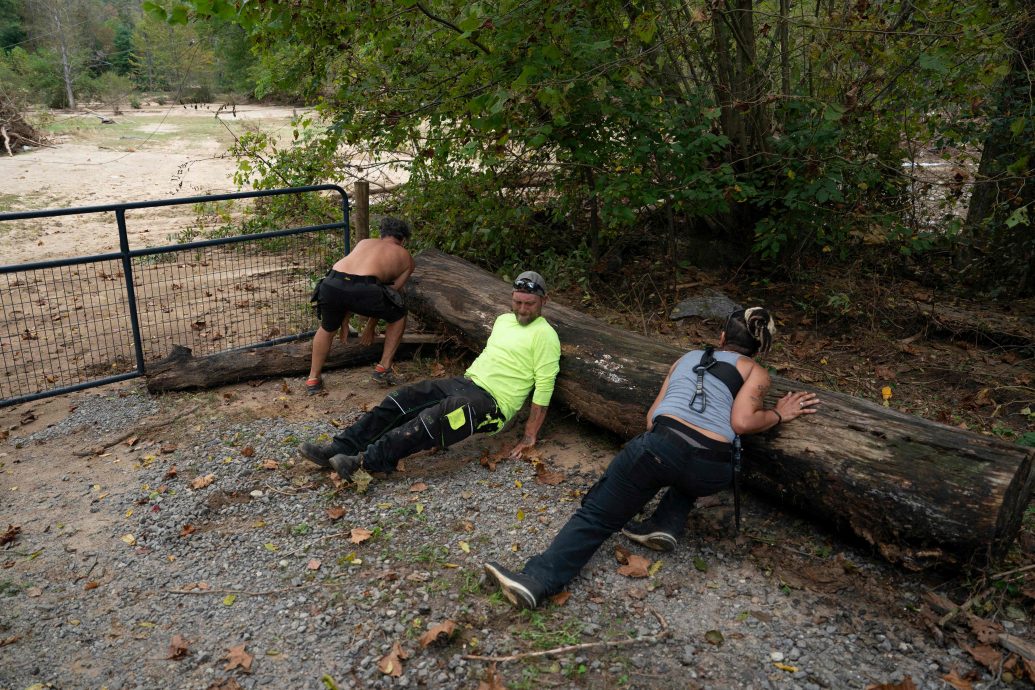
142,158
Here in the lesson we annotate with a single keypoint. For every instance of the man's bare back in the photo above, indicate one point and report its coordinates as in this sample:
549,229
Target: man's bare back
384,258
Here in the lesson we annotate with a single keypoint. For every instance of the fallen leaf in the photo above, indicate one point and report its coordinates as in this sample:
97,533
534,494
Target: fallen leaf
132,440
637,566
446,628
229,599
492,679
247,451
953,679
360,535
92,584
465,547
270,464
187,530
561,598
178,647
391,663
202,482
129,539
9,640
714,637
785,667
238,658
34,592
168,448
170,473
987,656
985,630
547,477
418,486
313,564
10,535
336,513
361,478
621,554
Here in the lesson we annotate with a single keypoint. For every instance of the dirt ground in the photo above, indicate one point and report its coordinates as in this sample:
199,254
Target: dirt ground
158,153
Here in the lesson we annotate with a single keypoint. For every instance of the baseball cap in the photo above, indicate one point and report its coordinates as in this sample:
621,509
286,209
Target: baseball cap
532,282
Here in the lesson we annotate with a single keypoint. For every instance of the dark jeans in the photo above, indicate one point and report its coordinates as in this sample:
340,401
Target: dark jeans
418,417
648,463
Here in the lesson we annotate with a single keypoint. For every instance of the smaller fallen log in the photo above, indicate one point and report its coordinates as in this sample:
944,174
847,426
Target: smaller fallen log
181,370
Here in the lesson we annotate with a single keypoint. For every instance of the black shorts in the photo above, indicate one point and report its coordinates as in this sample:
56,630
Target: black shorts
341,293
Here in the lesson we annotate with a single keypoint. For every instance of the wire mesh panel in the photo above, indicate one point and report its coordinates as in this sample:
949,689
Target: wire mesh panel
73,323
223,297
63,326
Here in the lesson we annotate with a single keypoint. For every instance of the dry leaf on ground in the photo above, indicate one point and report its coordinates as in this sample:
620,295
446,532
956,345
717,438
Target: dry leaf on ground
492,680
360,535
237,657
547,477
986,655
636,566
336,513
225,684
202,482
247,451
561,598
270,464
391,663
954,679
445,628
313,564
10,534
178,647
418,486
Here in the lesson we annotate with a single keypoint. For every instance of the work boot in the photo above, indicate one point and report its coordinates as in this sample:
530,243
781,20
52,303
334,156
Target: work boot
345,465
319,453
650,536
523,591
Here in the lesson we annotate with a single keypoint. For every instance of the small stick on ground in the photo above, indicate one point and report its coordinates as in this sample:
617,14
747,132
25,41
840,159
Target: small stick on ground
234,591
660,635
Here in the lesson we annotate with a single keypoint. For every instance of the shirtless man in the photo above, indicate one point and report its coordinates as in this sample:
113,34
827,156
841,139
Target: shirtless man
367,282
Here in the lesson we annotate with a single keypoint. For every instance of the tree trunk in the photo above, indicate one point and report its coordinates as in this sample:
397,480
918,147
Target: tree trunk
66,62
182,371
921,492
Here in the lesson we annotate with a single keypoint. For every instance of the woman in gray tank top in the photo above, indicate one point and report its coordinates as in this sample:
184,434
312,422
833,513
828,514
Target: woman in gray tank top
708,398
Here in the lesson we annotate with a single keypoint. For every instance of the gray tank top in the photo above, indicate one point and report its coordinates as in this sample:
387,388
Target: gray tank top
681,387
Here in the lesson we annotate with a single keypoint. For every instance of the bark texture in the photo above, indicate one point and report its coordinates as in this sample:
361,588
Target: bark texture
182,371
919,491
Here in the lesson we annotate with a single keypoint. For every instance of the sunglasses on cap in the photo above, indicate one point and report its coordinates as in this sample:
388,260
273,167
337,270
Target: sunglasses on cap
526,285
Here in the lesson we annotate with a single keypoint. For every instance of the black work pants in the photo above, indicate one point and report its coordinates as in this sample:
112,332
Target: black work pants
648,463
421,416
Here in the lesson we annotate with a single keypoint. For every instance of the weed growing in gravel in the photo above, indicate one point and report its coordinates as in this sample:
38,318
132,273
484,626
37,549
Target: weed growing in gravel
429,553
542,636
9,588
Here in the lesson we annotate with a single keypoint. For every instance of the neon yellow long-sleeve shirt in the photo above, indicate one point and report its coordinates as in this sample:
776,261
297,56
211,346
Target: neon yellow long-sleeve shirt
517,359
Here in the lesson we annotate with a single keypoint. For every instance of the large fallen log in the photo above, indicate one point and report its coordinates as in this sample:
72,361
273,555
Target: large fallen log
921,492
181,370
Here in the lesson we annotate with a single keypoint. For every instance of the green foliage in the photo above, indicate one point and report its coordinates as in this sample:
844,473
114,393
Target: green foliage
558,129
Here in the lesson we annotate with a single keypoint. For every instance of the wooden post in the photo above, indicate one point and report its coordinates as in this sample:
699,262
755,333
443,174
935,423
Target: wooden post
361,203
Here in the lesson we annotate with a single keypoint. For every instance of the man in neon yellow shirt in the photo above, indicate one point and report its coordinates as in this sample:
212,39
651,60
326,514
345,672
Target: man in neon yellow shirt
522,355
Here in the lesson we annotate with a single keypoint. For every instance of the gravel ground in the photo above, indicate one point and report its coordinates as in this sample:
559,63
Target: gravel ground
103,577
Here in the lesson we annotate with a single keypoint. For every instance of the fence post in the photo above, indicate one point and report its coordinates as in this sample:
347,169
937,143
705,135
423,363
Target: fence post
131,295
361,198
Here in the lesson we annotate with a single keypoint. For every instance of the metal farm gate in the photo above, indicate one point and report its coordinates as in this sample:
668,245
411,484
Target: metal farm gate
70,324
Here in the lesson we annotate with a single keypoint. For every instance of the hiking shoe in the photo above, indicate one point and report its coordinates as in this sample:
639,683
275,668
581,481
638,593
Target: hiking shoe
521,590
384,376
648,535
345,465
313,386
320,454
